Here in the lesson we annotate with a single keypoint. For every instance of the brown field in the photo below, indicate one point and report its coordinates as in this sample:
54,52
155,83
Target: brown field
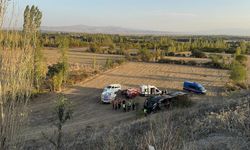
88,111
79,55
198,60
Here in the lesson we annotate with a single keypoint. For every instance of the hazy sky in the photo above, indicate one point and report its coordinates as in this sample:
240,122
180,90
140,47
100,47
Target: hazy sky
166,15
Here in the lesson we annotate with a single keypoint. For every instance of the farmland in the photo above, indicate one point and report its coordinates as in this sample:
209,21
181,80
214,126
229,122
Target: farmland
88,111
79,56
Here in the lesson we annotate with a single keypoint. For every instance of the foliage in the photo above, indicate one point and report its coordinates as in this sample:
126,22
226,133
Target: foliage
109,63
238,72
198,54
242,59
94,48
145,55
16,79
63,111
219,61
55,76
63,46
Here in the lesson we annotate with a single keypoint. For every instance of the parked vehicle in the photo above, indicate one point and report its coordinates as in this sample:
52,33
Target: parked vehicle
194,87
109,93
147,90
155,103
132,92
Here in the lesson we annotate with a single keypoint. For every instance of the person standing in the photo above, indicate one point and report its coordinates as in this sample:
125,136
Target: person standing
133,105
145,111
129,105
119,103
124,105
113,104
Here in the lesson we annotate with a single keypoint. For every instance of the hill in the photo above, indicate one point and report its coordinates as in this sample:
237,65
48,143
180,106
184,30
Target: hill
104,30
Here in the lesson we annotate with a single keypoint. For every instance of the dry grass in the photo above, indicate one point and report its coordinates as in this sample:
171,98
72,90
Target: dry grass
79,56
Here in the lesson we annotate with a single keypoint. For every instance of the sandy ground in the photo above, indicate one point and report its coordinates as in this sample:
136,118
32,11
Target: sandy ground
88,110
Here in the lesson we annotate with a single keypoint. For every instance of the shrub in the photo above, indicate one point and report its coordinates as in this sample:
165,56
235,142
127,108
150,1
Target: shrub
109,63
241,59
145,55
238,72
94,48
77,76
198,54
55,75
120,61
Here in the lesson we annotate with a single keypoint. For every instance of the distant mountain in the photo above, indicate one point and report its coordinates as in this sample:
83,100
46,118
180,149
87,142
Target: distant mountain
104,30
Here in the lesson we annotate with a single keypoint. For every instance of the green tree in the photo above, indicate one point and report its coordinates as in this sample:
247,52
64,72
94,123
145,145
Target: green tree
238,72
64,46
145,55
31,26
63,111
55,76
242,59
238,51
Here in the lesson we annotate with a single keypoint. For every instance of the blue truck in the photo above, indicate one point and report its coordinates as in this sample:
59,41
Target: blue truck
194,87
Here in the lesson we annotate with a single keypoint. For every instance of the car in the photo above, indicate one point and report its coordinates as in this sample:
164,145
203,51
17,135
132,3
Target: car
132,92
155,103
194,87
109,92
152,104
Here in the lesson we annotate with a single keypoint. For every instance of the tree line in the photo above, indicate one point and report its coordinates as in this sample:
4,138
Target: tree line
119,43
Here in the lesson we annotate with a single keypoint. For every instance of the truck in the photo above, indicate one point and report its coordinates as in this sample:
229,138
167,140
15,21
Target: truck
109,93
194,87
147,90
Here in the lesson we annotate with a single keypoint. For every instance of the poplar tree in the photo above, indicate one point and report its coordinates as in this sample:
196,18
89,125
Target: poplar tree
31,26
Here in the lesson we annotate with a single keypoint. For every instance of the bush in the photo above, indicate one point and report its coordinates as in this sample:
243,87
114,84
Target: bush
120,61
94,48
170,54
76,77
241,59
198,54
145,55
238,72
55,76
109,63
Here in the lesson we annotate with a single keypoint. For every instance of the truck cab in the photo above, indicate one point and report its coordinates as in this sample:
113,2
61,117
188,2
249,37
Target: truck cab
109,92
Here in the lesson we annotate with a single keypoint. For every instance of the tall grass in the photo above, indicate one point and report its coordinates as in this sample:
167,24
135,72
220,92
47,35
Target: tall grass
16,78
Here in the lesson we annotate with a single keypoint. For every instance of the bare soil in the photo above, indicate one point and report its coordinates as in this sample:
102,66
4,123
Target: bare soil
89,111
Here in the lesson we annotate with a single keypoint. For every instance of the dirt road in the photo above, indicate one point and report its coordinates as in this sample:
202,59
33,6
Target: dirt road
88,111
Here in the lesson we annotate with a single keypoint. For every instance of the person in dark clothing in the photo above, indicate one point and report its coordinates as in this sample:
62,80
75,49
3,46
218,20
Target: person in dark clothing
129,105
124,106
145,112
116,105
133,105
119,104
113,104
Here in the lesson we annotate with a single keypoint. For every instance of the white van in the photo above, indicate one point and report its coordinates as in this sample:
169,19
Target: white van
109,92
146,90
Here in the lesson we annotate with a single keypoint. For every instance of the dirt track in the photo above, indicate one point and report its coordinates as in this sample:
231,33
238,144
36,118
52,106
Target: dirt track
88,111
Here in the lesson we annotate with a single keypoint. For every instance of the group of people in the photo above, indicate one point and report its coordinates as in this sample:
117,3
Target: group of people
125,105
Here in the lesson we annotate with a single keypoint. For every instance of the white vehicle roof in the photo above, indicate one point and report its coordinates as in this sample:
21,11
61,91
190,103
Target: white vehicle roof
147,86
114,85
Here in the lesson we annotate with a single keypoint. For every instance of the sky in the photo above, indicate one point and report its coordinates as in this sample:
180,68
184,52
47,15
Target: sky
161,15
